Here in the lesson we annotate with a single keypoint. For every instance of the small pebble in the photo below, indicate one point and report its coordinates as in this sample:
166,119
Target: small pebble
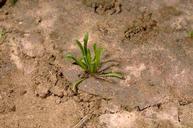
38,20
58,101
23,92
13,108
57,91
6,13
76,98
20,23
42,91
41,108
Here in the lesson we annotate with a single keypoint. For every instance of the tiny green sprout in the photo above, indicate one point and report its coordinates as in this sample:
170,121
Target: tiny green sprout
190,34
13,2
89,63
2,34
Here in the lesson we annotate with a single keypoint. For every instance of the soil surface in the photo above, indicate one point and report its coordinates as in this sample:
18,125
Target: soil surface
148,40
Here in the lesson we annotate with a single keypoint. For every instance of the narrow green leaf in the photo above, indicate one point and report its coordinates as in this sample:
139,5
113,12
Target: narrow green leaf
13,2
94,68
113,74
84,53
94,58
70,56
94,48
83,61
86,62
2,33
75,85
85,40
80,46
86,49
190,34
79,62
89,59
98,56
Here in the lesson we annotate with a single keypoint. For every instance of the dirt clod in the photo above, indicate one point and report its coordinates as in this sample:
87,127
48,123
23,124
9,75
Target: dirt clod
57,91
42,92
104,6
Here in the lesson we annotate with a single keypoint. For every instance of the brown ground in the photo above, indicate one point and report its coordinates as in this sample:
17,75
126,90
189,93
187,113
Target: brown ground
148,38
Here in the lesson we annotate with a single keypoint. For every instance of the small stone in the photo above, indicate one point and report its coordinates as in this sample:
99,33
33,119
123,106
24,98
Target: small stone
64,99
6,13
58,101
186,115
13,108
38,20
20,23
65,93
11,91
122,119
57,91
109,107
23,92
179,24
41,108
32,45
43,95
76,98
42,91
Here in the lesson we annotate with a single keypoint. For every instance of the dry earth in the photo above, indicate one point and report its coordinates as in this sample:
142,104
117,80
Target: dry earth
147,37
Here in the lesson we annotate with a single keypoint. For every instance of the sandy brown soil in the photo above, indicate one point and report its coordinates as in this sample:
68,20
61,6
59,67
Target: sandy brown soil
148,38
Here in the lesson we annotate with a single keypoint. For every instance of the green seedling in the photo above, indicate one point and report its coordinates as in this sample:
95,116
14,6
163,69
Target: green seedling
2,34
89,63
13,2
190,34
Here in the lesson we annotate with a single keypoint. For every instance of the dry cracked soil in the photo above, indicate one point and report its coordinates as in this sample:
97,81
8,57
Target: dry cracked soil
147,38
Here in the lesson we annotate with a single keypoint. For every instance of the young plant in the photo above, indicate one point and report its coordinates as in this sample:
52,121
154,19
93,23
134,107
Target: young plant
89,63
13,2
2,34
190,34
